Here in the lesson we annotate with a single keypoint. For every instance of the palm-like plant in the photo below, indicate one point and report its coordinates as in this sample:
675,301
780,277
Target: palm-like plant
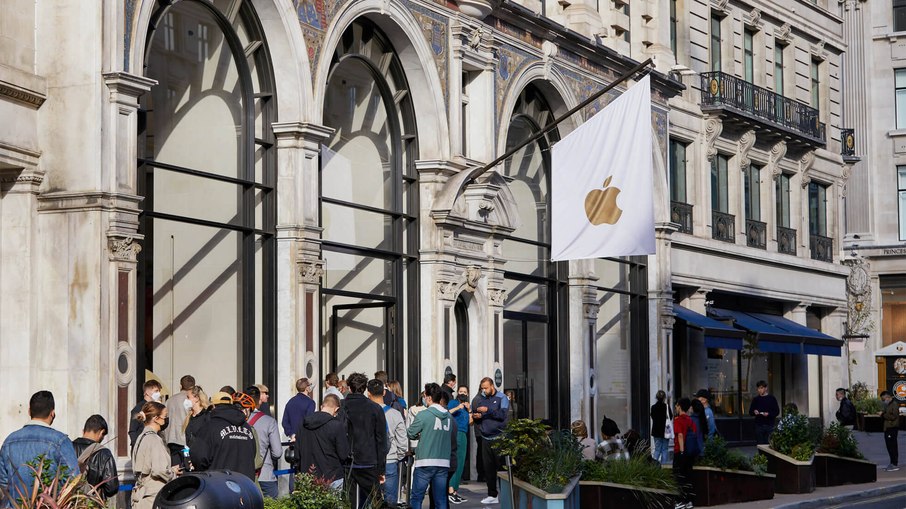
52,488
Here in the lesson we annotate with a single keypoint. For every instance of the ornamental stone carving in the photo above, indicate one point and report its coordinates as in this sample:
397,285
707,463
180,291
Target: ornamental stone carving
753,19
745,144
777,153
591,311
713,128
805,165
472,275
858,293
784,33
123,249
448,290
311,271
497,296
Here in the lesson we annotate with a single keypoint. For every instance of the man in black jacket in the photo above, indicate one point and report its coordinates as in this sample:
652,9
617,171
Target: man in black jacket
226,442
847,412
95,459
322,442
366,428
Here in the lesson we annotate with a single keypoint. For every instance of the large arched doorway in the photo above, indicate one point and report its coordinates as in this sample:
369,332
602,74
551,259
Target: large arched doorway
369,209
535,314
206,170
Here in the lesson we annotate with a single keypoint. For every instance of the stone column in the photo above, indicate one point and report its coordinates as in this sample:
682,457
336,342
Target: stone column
583,354
803,387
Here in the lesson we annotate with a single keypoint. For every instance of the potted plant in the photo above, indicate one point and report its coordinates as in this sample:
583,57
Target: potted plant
838,460
868,405
311,492
544,466
53,488
725,476
791,453
636,483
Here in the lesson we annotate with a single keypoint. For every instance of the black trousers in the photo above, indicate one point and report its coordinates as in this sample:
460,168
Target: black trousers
479,460
491,465
682,472
890,440
361,484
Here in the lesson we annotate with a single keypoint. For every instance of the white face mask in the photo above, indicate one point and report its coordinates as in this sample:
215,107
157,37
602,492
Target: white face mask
187,404
155,396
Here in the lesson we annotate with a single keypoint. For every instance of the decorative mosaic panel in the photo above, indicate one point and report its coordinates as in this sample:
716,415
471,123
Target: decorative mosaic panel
514,31
436,29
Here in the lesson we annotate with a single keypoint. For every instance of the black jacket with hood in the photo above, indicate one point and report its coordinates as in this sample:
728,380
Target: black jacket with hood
225,442
100,466
367,431
322,446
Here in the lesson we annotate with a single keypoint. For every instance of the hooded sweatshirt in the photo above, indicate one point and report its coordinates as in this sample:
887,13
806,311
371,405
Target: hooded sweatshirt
226,442
432,428
322,445
367,431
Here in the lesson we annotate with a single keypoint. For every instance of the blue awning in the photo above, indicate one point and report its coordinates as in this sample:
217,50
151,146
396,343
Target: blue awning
778,334
717,334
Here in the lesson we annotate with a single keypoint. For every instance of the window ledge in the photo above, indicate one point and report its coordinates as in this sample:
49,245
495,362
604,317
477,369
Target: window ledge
891,36
896,133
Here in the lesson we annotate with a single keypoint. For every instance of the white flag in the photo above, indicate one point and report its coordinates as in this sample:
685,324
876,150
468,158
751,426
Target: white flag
602,188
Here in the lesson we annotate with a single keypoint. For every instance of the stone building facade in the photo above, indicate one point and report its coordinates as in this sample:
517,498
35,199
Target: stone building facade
260,190
875,241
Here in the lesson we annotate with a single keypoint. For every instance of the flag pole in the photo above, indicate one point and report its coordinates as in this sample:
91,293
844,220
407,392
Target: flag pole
550,127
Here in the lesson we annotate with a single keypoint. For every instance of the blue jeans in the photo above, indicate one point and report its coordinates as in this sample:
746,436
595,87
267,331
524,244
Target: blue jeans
660,449
391,482
269,488
436,477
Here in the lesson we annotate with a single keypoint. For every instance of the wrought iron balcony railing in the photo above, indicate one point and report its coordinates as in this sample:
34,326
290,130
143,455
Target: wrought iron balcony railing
681,214
756,234
723,90
848,142
723,226
822,248
786,240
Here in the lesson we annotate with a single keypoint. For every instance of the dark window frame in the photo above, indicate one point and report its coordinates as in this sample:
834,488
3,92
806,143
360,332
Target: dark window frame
720,173
899,15
678,172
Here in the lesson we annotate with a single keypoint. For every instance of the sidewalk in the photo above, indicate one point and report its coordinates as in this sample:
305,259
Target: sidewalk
871,445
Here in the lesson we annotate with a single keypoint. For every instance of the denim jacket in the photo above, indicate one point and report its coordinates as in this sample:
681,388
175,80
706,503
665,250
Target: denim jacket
23,446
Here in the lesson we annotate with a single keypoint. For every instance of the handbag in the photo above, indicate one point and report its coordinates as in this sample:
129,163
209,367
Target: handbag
668,429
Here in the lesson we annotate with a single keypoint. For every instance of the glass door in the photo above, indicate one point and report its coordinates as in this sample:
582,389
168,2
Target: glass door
526,361
359,336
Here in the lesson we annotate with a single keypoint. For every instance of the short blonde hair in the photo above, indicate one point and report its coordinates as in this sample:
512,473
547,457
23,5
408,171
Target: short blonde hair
579,429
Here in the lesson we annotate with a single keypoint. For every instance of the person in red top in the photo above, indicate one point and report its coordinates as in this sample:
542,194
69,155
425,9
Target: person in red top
683,459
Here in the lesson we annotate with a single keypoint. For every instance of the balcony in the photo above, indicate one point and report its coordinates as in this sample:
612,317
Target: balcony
681,214
756,234
723,226
822,248
786,240
747,106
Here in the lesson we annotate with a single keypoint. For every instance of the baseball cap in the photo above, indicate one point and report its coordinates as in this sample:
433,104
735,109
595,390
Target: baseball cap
221,398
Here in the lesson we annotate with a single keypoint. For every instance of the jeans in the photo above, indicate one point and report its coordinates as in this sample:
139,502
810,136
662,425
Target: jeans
269,488
422,477
763,433
391,482
890,440
462,438
660,449
491,464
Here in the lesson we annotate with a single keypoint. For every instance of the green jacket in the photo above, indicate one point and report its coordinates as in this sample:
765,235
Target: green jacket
432,428
891,415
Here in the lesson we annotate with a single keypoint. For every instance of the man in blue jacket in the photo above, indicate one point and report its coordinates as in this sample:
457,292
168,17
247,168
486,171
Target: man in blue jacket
489,415
35,439
298,407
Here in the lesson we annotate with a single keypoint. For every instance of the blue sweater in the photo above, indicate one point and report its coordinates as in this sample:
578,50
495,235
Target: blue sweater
298,408
490,424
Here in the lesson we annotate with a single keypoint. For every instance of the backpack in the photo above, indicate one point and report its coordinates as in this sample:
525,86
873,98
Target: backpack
693,442
259,458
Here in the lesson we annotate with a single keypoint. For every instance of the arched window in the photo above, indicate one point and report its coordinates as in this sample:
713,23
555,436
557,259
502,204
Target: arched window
369,208
206,174
535,314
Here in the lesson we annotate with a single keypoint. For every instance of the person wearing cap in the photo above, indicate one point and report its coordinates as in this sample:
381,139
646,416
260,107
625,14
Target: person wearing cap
264,397
227,442
704,396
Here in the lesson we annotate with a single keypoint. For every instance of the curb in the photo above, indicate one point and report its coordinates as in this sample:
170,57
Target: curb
846,497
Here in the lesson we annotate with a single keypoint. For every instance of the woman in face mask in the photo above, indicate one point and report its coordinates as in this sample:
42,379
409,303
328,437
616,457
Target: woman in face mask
199,407
151,457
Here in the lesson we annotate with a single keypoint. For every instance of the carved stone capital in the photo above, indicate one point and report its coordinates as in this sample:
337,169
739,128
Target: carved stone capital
123,249
497,296
448,290
591,311
310,271
713,128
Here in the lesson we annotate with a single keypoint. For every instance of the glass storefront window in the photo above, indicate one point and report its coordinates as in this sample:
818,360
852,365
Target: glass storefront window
723,382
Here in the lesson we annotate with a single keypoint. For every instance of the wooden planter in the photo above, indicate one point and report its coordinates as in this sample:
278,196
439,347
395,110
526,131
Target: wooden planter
833,470
527,496
605,495
792,476
713,486
869,423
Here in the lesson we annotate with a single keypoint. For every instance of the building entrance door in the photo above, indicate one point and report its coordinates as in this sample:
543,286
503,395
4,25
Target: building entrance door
461,318
359,335
526,363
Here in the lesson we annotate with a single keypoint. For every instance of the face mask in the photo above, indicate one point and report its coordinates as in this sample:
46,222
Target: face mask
165,424
424,402
484,393
187,404
155,396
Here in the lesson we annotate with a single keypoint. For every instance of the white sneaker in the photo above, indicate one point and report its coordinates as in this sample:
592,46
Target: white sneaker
490,500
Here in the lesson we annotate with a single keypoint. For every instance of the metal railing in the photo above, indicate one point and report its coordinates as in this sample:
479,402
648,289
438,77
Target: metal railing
822,248
848,142
786,240
681,214
756,234
721,89
723,226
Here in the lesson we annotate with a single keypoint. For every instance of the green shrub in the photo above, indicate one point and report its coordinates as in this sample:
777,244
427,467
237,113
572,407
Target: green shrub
310,493
859,391
794,436
870,406
53,488
840,441
718,455
546,460
759,464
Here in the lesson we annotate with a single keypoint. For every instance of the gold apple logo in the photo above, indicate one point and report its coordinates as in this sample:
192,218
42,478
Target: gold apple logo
601,205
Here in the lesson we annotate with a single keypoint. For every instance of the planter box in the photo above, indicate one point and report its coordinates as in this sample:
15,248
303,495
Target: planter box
714,486
527,496
833,470
869,423
792,476
605,495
